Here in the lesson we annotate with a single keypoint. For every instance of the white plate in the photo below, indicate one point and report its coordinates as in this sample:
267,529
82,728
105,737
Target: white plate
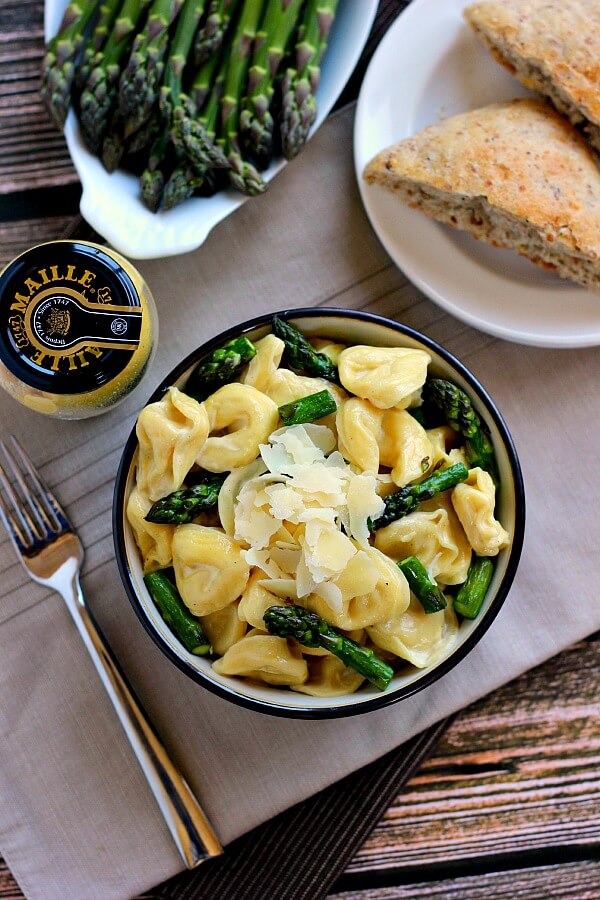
429,66
111,204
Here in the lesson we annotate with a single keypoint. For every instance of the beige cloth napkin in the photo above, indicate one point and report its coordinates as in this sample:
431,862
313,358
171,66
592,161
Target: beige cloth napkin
76,817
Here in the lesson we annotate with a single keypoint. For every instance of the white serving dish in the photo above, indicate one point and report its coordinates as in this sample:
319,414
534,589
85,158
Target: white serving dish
111,203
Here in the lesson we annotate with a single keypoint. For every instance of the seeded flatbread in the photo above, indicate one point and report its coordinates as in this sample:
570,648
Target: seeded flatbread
551,46
513,174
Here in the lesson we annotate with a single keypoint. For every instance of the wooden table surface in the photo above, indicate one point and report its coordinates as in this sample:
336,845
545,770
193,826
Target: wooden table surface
509,804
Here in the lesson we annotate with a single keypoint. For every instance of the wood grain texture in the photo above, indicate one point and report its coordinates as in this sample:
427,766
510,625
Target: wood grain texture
575,881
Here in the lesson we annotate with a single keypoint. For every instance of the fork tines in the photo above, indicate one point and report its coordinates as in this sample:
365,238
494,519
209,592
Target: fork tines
31,514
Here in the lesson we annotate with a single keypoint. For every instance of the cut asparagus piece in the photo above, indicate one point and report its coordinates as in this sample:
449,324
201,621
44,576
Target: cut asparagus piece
471,595
307,409
62,56
210,34
299,104
312,631
99,97
140,80
301,355
172,95
173,610
425,590
256,121
185,505
408,498
242,174
461,416
219,367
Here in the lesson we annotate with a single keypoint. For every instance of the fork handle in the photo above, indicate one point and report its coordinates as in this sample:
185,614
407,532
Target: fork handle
190,829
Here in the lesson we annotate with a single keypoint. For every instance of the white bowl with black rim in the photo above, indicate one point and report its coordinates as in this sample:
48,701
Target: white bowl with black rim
350,327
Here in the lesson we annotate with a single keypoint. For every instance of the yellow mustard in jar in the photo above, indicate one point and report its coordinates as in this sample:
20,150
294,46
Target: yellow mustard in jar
78,328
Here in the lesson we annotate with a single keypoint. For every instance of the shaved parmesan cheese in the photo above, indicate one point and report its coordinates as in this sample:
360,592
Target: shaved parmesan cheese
363,504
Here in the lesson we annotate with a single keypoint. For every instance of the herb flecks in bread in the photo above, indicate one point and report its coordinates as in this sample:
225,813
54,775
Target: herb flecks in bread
514,174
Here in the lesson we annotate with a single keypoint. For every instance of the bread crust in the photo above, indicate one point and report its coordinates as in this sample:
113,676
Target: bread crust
517,158
557,40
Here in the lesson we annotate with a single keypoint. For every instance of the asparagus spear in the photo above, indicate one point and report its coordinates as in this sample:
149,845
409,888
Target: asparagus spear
173,610
307,409
184,505
140,80
299,106
152,179
242,174
185,178
311,631
219,366
61,58
425,590
195,135
172,95
210,34
99,96
102,28
461,416
301,355
471,595
256,121
408,498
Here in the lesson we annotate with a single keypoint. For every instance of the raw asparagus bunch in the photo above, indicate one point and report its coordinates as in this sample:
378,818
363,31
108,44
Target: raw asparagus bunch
242,174
256,121
461,416
107,14
185,505
140,80
407,499
99,97
299,105
301,355
61,58
175,613
311,631
211,32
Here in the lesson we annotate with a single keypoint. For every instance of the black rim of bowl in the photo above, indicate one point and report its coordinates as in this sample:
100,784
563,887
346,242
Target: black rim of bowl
331,712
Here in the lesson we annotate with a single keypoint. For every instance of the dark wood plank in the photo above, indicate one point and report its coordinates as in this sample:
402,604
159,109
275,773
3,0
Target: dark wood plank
517,772
575,881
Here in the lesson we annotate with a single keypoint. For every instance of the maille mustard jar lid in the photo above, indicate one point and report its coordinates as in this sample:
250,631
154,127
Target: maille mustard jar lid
78,328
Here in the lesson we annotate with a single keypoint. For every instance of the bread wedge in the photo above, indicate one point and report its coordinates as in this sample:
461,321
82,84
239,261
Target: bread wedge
514,174
551,46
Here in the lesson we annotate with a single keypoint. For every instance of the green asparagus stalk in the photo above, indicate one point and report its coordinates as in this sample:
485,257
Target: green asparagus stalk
152,180
461,416
307,409
242,174
102,28
407,499
210,34
99,97
173,610
256,121
219,367
113,145
471,595
423,587
299,105
186,504
147,134
62,56
172,95
312,631
140,80
185,178
301,355
195,135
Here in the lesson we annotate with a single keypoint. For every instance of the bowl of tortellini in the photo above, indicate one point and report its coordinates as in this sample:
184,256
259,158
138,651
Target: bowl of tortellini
318,513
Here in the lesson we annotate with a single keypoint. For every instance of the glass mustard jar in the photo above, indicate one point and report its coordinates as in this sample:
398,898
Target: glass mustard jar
78,328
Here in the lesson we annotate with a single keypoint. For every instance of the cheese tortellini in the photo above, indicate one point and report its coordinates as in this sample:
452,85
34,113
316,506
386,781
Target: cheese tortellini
293,522
474,502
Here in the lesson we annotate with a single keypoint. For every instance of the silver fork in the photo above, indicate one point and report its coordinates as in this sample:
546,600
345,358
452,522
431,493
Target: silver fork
52,554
